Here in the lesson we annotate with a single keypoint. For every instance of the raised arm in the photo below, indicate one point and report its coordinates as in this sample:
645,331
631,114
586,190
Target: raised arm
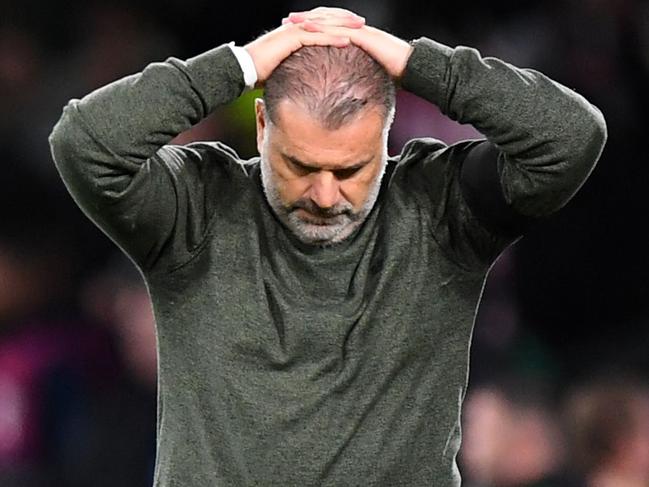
105,147
110,147
543,138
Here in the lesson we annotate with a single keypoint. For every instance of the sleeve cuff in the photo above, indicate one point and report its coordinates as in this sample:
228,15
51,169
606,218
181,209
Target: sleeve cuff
425,74
247,65
216,76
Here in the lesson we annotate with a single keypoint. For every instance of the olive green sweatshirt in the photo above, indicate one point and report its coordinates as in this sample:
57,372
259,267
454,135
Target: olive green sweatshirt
284,364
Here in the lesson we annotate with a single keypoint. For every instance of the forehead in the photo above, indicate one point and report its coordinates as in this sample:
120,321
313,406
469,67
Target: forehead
300,135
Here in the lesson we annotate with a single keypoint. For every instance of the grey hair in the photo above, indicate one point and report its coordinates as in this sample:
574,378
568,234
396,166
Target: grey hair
334,84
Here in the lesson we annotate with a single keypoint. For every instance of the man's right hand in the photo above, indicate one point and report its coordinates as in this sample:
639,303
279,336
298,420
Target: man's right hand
269,50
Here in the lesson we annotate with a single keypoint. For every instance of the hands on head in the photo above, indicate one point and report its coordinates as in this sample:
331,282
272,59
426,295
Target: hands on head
327,26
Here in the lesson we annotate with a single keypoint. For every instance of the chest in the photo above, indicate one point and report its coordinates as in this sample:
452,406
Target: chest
400,298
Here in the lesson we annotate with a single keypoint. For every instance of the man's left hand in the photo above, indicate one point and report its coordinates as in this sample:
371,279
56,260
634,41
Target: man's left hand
390,51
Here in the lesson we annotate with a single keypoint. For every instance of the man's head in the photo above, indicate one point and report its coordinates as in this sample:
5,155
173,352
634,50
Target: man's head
322,135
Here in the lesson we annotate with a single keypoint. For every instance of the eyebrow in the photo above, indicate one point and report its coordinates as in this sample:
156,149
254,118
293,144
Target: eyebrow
305,165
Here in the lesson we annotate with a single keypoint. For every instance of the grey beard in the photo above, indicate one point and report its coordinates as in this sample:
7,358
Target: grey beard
340,221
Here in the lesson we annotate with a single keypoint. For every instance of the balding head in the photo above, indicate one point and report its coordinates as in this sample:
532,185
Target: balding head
333,84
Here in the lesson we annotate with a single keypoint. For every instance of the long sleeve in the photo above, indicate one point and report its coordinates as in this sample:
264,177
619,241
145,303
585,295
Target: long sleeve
543,140
110,150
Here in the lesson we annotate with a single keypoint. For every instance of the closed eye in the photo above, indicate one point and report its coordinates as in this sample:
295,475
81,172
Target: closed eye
346,173
300,168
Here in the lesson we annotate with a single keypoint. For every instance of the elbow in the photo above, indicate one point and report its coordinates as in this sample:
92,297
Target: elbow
62,138
585,148
598,132
69,148
551,186
593,137
59,144
591,140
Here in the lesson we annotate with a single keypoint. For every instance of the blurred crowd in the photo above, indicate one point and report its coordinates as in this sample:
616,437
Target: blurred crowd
559,386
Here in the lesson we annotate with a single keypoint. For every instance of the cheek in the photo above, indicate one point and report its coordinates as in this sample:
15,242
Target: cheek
291,188
355,192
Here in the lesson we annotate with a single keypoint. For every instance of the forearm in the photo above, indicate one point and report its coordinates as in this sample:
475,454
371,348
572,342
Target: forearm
549,136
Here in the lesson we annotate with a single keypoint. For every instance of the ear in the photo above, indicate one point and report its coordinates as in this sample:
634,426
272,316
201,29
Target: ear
260,117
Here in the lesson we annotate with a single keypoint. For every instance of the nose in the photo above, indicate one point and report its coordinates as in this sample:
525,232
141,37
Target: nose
325,189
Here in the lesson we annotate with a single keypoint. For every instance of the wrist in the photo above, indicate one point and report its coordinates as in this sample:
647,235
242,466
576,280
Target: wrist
407,48
247,65
389,50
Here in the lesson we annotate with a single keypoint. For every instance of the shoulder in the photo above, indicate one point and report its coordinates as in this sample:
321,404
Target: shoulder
425,152
199,151
418,148
427,180
429,165
204,159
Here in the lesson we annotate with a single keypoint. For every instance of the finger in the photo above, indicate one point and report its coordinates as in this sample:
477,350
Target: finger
353,23
324,12
334,11
311,26
330,19
331,30
297,16
321,39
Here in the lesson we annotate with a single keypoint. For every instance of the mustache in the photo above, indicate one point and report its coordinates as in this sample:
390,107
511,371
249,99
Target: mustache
315,210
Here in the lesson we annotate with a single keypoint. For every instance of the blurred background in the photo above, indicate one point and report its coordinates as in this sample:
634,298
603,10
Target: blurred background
559,381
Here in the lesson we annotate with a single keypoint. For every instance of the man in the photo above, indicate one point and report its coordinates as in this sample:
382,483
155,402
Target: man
314,305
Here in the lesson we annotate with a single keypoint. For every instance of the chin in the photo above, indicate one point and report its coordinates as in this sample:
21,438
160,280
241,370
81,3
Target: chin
322,235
